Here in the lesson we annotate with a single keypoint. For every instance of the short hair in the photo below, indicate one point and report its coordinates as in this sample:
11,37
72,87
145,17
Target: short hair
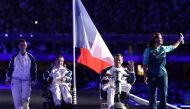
58,56
118,55
20,41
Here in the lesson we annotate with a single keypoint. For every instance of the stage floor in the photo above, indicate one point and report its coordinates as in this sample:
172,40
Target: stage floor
87,99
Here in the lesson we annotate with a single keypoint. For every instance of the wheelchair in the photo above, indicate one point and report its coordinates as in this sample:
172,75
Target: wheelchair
47,94
122,98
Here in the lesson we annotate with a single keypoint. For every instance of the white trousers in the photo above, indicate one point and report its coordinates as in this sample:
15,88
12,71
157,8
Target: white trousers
21,91
59,90
110,88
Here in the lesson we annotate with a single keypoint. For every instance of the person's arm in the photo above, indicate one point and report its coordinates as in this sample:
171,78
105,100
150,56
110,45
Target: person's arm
34,75
176,44
145,64
33,70
68,76
9,71
145,67
131,73
131,66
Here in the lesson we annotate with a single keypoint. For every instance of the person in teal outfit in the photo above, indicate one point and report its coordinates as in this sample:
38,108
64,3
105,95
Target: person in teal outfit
155,74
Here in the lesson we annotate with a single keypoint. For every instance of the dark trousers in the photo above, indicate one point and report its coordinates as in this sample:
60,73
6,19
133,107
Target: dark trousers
162,84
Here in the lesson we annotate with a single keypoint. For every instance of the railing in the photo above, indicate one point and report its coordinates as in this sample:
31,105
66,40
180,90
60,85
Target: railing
145,102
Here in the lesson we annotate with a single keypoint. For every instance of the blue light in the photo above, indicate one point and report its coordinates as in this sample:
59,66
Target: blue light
6,35
31,35
21,35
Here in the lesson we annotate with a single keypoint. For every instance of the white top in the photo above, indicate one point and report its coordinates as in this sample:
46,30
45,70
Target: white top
122,71
22,65
58,74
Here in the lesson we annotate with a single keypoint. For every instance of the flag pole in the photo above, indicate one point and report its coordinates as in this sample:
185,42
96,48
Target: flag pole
74,63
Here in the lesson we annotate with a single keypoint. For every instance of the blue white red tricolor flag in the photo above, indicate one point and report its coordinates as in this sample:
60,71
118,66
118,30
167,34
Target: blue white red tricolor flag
94,52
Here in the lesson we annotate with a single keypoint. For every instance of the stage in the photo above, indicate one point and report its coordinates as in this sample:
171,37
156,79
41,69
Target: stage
87,99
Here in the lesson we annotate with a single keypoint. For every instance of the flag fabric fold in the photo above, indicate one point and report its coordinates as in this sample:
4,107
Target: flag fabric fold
94,52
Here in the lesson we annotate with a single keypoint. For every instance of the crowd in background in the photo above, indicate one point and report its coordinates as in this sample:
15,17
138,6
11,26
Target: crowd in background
38,47
110,16
65,47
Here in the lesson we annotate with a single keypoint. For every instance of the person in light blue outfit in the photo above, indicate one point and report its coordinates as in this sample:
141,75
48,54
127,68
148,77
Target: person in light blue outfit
155,74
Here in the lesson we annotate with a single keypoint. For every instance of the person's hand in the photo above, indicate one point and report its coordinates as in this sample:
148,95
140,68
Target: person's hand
181,39
112,84
33,83
63,79
145,79
131,66
7,82
50,79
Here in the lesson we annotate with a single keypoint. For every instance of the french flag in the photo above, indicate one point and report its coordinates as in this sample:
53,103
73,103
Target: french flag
93,50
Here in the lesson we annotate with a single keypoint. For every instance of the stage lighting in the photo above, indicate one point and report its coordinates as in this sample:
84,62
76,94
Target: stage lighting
36,22
21,35
31,35
6,35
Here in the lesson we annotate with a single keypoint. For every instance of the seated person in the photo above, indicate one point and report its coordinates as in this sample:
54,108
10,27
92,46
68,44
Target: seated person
109,78
59,78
